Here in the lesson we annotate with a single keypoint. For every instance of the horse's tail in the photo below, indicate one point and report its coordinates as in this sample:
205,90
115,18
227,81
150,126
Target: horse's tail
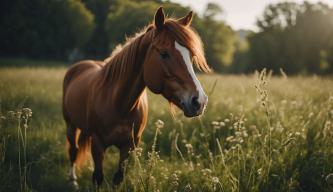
84,145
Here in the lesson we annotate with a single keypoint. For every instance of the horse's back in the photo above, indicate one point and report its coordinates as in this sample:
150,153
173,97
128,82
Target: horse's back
76,87
79,68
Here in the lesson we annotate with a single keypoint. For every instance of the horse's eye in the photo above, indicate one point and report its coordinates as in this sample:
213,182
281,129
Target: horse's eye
164,55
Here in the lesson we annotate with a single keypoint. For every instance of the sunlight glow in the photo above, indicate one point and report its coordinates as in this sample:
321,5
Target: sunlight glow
240,14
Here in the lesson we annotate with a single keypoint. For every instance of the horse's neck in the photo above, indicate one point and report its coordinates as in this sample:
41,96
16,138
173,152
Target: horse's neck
128,89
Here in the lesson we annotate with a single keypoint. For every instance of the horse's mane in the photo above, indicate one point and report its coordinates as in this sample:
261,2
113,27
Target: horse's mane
123,56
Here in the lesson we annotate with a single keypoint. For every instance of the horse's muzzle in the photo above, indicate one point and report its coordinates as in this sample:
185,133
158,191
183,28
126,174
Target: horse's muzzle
194,106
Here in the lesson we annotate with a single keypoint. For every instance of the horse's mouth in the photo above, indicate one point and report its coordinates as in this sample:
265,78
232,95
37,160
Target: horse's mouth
191,115
188,111
191,112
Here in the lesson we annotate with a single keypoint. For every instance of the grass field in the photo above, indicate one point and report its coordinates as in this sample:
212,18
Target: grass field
259,133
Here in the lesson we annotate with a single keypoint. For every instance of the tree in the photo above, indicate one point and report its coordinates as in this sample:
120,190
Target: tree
219,38
98,45
43,29
241,56
127,19
295,37
278,16
314,28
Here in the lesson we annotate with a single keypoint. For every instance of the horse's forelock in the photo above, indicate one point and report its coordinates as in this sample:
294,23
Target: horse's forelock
187,37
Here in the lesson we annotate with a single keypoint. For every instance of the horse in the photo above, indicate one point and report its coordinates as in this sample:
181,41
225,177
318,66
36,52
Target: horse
105,102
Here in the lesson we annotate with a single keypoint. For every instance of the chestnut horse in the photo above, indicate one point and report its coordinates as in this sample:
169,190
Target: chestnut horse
105,103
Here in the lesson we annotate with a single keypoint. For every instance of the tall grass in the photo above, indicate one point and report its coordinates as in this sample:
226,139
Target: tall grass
259,133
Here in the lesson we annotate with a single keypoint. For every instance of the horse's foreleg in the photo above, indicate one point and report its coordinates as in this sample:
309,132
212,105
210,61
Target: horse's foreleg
119,175
97,151
124,153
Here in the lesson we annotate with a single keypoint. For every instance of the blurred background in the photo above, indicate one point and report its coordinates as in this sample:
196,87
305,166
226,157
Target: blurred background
259,132
239,36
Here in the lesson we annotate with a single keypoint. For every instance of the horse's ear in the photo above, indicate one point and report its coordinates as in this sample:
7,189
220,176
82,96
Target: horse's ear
159,18
186,21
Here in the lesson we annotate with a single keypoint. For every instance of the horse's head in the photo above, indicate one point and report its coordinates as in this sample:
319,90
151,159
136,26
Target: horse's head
168,68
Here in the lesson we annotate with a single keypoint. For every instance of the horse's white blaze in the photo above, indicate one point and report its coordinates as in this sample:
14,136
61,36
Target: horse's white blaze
187,59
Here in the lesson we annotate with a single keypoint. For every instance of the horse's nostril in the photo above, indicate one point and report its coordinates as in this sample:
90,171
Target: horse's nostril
195,103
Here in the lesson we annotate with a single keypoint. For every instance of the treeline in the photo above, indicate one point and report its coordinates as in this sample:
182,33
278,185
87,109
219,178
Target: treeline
297,38
69,29
294,37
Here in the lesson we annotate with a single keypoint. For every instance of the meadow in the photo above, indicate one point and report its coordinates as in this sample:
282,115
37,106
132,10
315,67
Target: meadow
259,133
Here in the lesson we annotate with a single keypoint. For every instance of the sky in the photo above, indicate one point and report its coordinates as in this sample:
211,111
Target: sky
239,14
